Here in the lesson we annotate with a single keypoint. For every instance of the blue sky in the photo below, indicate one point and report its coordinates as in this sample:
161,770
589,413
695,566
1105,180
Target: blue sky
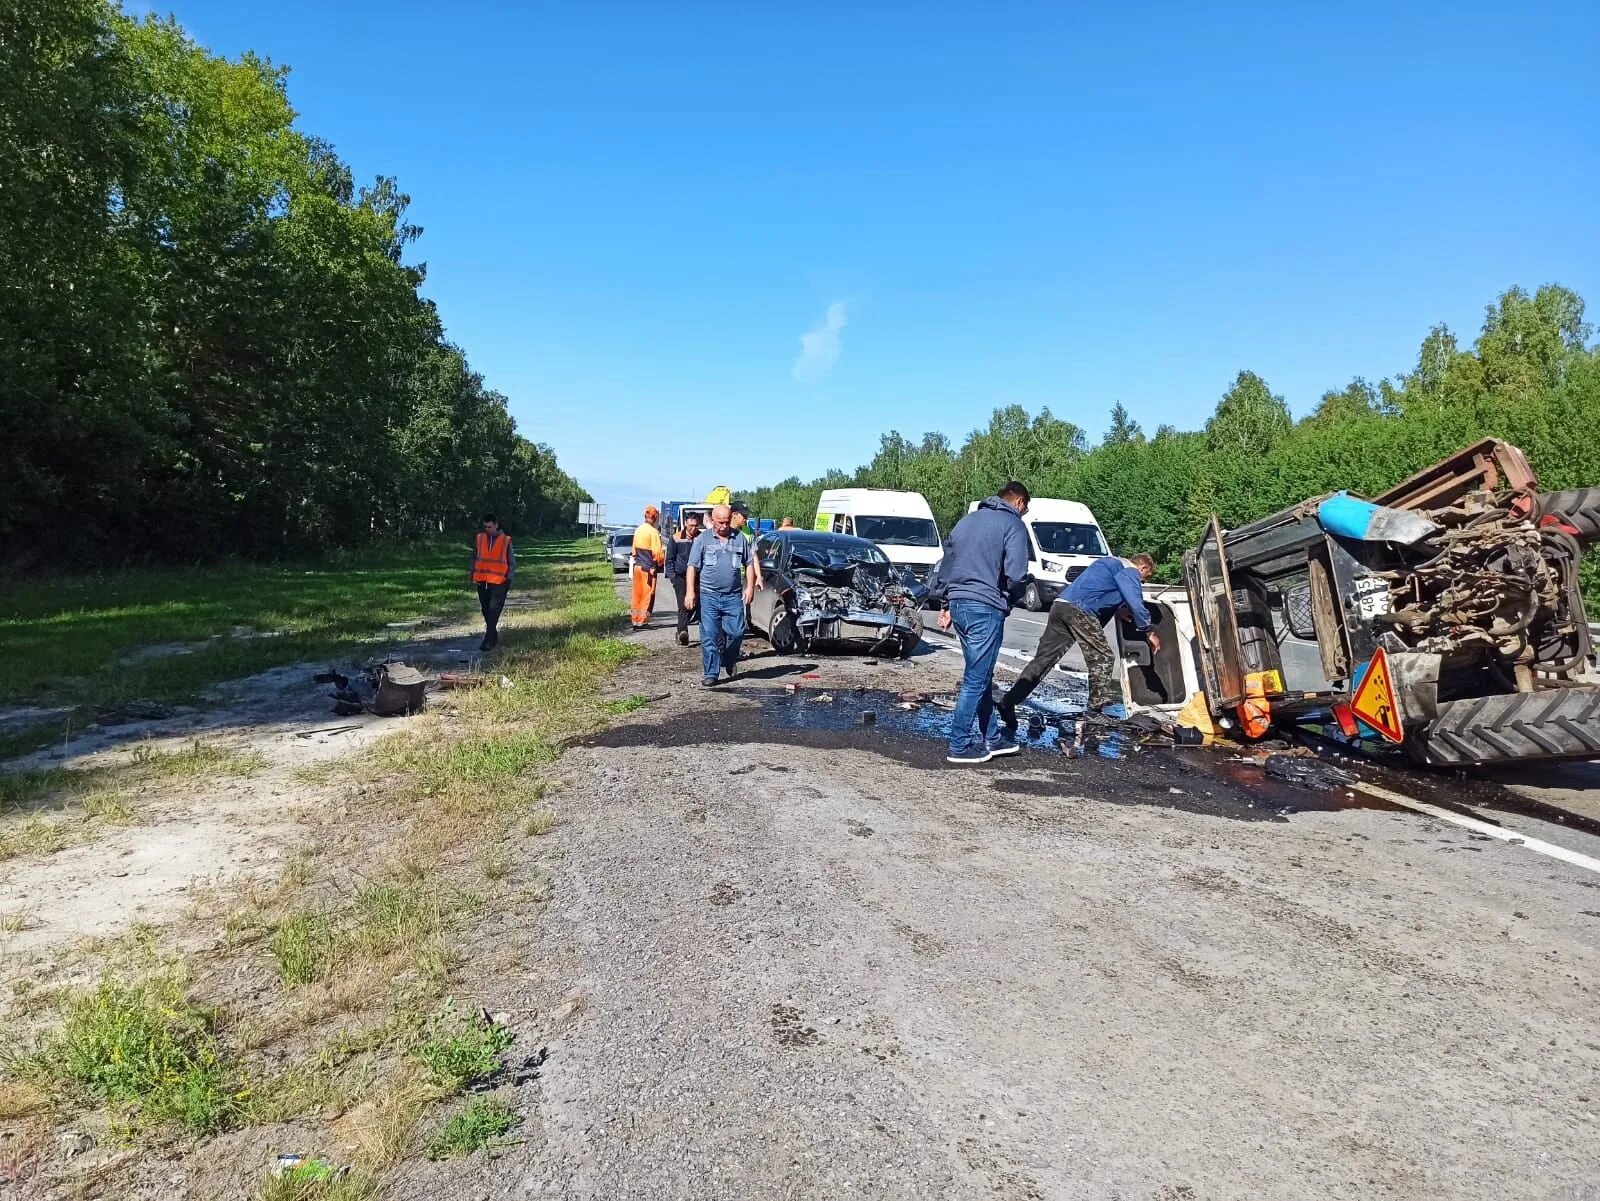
634,213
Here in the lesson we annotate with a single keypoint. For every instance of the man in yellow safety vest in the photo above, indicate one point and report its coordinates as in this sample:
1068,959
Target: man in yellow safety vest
493,565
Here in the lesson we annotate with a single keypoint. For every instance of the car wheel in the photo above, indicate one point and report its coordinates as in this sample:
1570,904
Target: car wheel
1032,599
783,636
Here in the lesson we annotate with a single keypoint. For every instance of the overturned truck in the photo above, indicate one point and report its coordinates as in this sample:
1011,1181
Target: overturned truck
1444,616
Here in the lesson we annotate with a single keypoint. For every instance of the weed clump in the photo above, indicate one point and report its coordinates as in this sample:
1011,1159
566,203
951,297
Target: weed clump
298,1184
458,1050
481,1125
304,945
142,1047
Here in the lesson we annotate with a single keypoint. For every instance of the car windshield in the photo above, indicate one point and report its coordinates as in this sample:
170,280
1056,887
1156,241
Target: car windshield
621,541
842,553
1068,538
897,531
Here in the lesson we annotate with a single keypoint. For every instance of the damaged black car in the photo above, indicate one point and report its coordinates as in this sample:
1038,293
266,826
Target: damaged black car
834,590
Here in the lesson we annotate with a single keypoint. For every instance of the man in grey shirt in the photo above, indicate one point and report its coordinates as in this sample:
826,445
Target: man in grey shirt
724,574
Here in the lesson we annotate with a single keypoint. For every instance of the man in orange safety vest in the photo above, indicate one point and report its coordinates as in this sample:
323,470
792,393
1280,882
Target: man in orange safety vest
493,565
649,553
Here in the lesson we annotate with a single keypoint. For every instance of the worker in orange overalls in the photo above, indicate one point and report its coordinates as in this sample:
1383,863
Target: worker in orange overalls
649,553
493,565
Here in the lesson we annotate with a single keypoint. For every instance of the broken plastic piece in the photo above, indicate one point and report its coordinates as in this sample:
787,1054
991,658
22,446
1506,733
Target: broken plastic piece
1343,516
1308,772
296,1165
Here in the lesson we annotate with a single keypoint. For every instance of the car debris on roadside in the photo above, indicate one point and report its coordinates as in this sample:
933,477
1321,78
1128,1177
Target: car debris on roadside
383,689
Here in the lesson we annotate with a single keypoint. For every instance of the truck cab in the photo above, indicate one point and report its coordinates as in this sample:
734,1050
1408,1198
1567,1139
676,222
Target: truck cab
1443,617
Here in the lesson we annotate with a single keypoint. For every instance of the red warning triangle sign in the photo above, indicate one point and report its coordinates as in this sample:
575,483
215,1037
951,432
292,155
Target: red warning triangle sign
1374,701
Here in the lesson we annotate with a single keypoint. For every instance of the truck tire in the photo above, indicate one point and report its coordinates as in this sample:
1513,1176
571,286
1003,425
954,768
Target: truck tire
1580,506
1561,723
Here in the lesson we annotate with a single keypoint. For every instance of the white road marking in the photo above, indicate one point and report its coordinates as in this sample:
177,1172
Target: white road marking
1482,827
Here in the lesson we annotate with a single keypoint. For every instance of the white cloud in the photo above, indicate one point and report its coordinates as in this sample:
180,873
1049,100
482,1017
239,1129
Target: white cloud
819,348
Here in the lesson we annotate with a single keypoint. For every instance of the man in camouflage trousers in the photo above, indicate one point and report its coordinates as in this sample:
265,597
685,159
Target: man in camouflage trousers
1080,615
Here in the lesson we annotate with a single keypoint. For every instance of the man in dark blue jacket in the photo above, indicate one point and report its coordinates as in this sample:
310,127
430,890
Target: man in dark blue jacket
1080,615
985,564
677,570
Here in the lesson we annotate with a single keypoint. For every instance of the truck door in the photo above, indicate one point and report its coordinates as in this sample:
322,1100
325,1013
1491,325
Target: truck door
1205,572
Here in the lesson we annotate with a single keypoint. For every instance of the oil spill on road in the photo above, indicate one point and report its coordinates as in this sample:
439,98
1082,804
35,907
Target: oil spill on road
1188,779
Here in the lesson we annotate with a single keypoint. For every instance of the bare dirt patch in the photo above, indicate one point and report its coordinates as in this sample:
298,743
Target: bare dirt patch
191,830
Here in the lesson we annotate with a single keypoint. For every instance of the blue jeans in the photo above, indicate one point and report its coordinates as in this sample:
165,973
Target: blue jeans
721,630
981,629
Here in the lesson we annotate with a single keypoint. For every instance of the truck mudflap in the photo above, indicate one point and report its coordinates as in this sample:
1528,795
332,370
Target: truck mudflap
1558,723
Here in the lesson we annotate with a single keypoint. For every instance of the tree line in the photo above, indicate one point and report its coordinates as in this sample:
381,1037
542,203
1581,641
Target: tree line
211,340
1531,377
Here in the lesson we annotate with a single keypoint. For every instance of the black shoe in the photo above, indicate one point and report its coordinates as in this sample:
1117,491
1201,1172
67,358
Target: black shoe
731,672
707,682
485,645
683,637
1008,716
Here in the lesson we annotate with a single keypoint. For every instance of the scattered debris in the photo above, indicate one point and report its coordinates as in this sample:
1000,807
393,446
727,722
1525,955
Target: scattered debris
811,675
384,689
1309,772
138,710
825,699
869,718
298,1166
75,1142
449,680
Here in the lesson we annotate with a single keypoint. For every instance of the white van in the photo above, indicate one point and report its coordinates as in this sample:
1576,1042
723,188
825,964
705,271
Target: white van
900,523
1063,539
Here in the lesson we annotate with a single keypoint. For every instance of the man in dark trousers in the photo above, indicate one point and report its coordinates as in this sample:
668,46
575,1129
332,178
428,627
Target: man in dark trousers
677,570
492,566
723,575
1080,615
985,565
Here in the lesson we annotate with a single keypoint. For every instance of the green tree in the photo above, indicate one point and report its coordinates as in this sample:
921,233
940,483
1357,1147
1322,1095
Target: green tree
1123,430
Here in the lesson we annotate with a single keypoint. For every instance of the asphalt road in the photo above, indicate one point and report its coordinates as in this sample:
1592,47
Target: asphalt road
1563,800
791,953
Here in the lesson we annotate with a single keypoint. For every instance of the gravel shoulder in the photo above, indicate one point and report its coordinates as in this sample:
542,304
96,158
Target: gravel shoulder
798,962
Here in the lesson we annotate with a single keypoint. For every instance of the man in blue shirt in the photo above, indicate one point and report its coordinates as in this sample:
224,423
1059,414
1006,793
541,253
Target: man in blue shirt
985,562
1080,615
724,574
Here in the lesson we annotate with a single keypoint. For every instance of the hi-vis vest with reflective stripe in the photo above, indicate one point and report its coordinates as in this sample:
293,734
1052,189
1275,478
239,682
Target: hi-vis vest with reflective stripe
493,563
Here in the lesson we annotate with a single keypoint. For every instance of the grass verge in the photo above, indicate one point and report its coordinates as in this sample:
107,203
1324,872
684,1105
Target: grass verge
324,987
88,640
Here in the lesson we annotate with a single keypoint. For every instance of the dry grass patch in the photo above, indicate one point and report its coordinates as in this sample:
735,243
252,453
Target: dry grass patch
200,759
383,1129
21,1099
540,822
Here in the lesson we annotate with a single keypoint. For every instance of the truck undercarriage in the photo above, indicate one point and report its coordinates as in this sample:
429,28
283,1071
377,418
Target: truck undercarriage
1461,582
